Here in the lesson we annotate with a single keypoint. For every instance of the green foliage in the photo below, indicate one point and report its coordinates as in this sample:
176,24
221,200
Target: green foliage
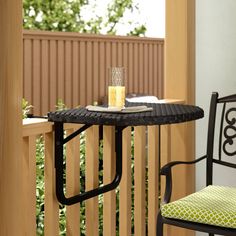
25,108
60,105
137,31
67,15
116,10
40,186
60,15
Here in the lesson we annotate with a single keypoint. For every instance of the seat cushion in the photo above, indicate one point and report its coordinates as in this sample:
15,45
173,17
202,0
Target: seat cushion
213,205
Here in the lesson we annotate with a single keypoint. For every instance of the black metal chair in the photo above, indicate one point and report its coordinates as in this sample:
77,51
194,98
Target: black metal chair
213,209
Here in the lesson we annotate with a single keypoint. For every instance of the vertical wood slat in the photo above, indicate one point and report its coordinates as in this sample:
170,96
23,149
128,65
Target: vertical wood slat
45,77
91,180
155,70
153,178
125,186
146,70
107,62
76,67
130,87
165,151
52,74
102,90
68,74
82,73
140,69
139,181
27,82
135,68
51,219
73,184
165,158
89,73
95,69
125,62
109,205
61,70
120,54
29,183
75,74
113,54
36,73
150,69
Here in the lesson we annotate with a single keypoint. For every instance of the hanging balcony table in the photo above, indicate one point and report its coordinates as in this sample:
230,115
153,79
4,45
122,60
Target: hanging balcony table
160,114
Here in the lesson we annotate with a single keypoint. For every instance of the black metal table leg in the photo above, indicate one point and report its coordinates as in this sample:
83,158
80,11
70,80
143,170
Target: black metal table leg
59,141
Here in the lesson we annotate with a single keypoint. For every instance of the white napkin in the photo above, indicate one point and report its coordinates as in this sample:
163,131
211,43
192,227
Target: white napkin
146,99
132,109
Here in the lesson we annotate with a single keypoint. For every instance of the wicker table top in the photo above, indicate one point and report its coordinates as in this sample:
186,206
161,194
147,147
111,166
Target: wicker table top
161,114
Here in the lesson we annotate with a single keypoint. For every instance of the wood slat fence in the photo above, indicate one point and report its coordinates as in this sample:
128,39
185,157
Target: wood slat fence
73,67
143,186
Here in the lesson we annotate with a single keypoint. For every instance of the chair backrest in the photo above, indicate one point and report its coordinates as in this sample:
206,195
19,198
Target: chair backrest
221,140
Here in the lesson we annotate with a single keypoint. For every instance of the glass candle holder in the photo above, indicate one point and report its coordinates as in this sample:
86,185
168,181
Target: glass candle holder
116,88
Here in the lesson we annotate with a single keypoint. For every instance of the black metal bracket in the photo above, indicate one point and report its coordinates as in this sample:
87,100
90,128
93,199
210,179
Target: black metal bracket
59,142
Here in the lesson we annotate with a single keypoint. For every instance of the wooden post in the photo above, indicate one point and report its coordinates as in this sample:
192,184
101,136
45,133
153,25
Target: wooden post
12,210
180,83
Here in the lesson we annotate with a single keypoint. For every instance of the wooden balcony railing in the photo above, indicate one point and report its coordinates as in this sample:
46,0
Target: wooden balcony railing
138,192
145,160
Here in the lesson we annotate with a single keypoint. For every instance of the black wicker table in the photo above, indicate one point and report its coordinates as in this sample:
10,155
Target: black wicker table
161,114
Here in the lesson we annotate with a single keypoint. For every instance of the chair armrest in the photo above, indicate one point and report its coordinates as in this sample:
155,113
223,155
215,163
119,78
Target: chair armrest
166,170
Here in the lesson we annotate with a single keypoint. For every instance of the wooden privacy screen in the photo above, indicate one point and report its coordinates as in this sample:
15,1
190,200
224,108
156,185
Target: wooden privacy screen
73,67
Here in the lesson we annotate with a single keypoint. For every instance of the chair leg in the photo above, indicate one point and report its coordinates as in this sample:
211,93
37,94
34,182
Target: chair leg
211,234
159,226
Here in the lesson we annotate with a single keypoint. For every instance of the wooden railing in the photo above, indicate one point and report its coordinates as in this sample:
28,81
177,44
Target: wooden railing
144,161
74,67
139,192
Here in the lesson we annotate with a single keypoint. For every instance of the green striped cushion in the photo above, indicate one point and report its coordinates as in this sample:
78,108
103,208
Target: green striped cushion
213,205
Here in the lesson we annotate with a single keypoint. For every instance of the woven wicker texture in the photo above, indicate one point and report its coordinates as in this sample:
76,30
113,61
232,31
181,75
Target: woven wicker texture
161,114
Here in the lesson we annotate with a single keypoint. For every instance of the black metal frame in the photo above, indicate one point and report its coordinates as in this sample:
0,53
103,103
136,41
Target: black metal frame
167,169
59,142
